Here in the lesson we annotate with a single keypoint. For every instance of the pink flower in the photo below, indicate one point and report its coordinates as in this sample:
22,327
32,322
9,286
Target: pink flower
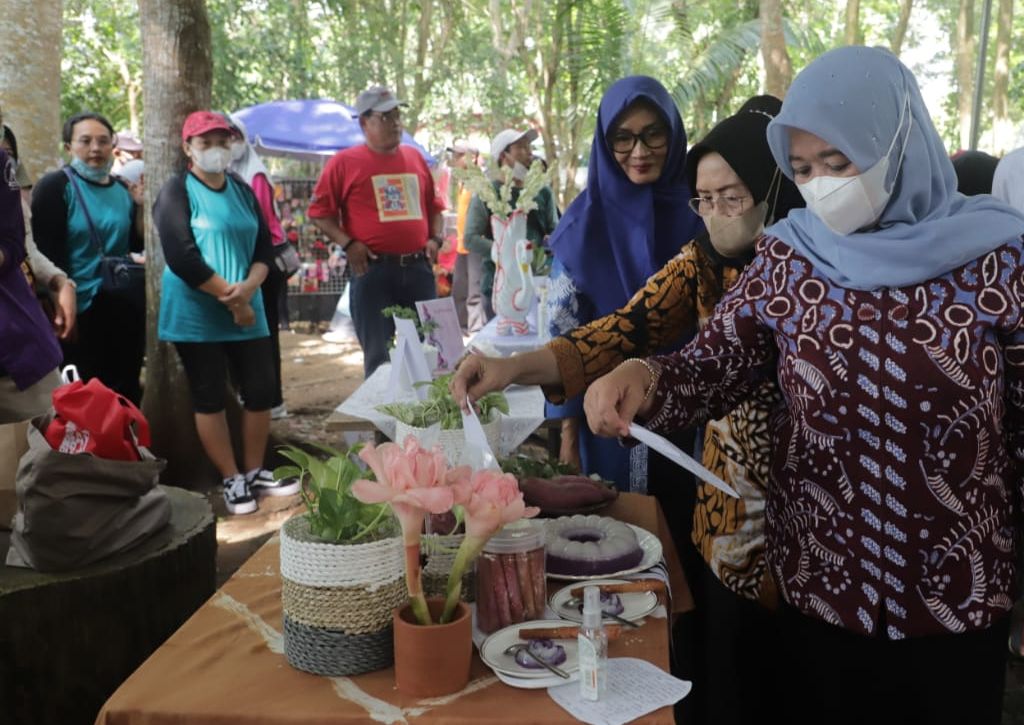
490,499
411,478
414,481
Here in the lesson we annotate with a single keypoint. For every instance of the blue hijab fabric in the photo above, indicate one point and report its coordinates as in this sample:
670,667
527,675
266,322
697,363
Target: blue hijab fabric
616,234
852,97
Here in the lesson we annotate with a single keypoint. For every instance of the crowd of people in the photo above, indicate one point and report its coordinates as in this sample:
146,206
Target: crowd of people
815,295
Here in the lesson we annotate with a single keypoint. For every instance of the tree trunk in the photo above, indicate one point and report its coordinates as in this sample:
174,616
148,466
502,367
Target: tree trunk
777,67
852,34
902,23
30,78
177,76
965,69
1002,128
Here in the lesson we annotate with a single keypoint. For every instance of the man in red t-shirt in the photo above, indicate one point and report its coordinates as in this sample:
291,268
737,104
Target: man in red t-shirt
377,202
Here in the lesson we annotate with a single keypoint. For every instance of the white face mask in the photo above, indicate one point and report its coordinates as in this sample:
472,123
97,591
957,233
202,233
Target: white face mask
238,149
213,160
731,236
846,204
519,171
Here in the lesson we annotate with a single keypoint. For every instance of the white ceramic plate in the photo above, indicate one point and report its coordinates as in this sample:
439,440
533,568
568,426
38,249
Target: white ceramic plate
636,605
652,555
536,683
492,651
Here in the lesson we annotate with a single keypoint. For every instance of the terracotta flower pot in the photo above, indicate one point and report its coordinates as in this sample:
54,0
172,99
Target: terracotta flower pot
432,660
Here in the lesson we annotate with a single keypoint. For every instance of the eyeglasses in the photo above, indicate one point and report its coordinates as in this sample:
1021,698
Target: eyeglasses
623,141
392,116
704,205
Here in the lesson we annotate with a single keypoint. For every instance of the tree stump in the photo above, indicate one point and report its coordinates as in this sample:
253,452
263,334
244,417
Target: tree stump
68,640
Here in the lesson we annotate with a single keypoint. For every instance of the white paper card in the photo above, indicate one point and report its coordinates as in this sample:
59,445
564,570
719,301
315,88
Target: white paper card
476,441
415,360
672,452
635,688
399,384
447,338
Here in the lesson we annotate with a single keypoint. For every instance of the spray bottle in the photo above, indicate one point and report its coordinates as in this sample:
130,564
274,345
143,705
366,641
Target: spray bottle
593,647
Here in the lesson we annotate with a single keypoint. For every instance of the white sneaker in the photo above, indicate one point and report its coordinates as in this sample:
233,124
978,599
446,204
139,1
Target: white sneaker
263,482
278,412
237,496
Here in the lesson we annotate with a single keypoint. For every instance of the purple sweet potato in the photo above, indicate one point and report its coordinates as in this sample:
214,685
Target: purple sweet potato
565,493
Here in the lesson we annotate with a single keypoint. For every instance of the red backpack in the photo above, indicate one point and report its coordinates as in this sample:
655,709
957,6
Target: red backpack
91,418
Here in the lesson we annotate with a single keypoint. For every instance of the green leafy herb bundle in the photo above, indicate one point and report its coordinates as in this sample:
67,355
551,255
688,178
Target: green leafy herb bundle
440,407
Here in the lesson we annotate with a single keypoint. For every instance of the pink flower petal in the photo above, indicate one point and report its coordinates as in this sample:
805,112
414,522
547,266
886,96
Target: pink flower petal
371,491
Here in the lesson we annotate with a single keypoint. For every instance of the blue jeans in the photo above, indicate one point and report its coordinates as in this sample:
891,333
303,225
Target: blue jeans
386,283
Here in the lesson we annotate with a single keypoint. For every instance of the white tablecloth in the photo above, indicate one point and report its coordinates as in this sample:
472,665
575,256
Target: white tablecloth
526,409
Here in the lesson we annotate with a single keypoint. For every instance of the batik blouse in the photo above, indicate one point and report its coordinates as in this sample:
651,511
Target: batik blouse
729,532
894,472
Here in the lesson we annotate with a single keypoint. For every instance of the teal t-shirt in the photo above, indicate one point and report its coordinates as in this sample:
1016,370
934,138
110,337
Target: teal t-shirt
110,206
224,225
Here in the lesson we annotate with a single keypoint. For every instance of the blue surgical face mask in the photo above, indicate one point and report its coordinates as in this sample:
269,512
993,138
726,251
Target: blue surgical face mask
92,173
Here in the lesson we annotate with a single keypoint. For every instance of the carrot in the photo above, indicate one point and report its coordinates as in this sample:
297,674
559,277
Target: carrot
637,585
515,597
613,631
538,578
530,610
499,591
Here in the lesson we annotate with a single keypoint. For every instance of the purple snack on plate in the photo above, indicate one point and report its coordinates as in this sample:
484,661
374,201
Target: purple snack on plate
546,649
611,604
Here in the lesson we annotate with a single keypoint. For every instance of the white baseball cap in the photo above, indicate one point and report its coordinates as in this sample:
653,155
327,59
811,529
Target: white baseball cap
506,138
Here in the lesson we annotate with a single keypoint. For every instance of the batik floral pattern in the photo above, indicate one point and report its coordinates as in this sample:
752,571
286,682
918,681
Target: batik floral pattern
894,467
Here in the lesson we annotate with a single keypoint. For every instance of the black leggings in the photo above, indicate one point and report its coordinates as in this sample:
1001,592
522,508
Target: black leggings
109,343
206,367
274,287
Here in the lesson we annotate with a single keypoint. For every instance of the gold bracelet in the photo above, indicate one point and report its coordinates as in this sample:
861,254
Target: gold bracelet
651,370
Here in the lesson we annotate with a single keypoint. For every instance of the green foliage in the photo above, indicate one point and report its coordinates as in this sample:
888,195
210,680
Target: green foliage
334,513
523,466
440,407
407,313
472,67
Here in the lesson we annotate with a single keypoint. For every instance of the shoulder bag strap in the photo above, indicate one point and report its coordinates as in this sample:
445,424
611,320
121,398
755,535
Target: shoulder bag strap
85,210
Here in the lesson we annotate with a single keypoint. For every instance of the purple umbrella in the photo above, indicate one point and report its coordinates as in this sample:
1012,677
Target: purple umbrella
310,129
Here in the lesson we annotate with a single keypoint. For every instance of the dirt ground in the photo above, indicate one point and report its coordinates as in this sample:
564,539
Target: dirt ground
317,377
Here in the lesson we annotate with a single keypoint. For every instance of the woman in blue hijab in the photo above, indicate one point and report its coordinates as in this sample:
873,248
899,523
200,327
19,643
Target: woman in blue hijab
620,230
891,310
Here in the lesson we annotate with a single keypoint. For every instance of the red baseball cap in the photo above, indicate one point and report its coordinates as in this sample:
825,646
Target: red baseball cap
200,122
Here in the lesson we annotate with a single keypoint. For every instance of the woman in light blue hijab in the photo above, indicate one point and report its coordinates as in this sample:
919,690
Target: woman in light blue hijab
891,311
925,227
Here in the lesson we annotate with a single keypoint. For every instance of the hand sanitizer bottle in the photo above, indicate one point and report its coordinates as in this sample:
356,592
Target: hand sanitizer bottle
593,647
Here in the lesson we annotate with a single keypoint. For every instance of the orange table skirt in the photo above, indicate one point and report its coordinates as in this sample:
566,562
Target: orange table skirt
226,664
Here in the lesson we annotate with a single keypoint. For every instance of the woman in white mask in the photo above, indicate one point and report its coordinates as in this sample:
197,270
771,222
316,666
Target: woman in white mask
739,190
247,164
890,312
81,213
218,253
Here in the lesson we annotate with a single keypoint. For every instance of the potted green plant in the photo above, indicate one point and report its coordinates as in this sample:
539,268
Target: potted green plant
414,418
341,570
433,636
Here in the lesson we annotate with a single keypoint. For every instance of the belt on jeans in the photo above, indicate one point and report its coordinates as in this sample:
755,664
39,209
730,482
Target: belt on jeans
402,260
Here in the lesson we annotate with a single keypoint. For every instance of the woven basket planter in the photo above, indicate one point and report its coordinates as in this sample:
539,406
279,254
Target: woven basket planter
337,601
440,551
452,442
